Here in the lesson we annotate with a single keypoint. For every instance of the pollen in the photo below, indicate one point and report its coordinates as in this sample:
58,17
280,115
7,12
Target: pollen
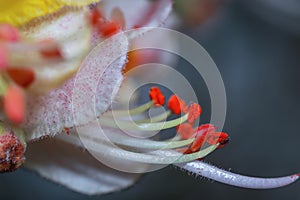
157,96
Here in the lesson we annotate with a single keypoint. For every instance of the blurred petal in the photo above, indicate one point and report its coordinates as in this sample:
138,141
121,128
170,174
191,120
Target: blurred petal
75,168
49,114
143,13
73,37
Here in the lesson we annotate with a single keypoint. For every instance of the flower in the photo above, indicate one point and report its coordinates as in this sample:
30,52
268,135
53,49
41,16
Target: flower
40,65
19,12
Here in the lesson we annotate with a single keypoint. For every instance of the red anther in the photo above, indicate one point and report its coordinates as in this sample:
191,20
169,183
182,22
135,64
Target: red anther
194,111
185,130
218,137
201,135
3,57
53,51
9,33
157,96
107,29
14,104
176,105
21,76
95,17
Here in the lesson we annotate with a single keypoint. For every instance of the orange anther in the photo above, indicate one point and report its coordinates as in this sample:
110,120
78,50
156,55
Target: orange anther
157,96
176,105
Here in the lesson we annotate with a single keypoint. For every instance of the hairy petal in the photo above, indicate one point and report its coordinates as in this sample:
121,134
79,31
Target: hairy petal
229,178
97,82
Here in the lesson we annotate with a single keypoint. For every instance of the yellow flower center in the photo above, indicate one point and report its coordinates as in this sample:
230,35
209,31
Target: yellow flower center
19,12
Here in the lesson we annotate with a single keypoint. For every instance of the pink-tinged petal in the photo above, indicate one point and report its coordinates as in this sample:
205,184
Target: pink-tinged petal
75,168
97,81
229,178
143,13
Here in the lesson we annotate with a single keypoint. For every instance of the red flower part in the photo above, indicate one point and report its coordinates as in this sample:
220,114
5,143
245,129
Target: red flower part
109,28
157,96
201,136
3,57
14,104
194,111
53,51
218,137
96,17
185,130
9,33
176,105
21,76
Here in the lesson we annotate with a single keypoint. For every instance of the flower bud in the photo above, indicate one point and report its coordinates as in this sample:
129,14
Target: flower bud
12,148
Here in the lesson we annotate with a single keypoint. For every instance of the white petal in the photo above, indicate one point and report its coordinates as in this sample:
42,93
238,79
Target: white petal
71,30
75,168
142,12
51,113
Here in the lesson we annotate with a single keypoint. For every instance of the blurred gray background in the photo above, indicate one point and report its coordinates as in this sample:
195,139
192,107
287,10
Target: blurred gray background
258,55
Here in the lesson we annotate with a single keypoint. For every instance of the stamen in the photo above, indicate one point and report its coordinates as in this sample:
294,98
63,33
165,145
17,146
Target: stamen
161,117
21,76
194,111
218,137
157,96
177,105
14,104
158,157
201,135
144,126
134,111
126,140
185,130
